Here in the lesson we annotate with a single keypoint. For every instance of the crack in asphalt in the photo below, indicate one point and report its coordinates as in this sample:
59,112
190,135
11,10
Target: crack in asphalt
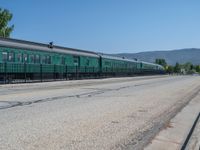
98,91
8,104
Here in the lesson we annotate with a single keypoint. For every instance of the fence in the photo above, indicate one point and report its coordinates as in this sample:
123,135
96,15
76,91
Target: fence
15,72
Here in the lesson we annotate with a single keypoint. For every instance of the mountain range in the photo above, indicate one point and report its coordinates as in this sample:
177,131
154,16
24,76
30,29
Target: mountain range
171,56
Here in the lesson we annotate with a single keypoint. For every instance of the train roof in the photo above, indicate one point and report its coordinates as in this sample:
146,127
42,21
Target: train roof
15,43
130,60
151,63
117,58
148,63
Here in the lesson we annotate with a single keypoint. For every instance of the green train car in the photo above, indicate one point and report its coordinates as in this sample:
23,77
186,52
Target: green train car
29,61
116,65
119,66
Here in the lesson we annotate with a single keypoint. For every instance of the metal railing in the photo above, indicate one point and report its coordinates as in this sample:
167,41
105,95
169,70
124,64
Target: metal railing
24,72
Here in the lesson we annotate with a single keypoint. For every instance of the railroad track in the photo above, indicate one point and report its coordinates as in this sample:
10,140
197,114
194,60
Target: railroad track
191,132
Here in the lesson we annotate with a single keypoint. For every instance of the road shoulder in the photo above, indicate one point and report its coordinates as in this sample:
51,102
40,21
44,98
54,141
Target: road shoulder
175,133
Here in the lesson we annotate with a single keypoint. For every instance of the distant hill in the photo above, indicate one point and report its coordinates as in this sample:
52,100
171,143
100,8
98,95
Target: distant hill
172,56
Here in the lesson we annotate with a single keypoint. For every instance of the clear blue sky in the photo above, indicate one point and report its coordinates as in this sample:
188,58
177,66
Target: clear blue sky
109,26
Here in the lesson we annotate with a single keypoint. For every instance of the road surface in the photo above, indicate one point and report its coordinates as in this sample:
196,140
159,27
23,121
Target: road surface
102,114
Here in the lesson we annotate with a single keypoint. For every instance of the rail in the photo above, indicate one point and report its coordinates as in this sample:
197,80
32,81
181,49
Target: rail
190,133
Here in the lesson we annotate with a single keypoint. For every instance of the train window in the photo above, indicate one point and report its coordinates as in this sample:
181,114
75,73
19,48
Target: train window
4,56
107,63
25,58
43,59
63,60
31,58
19,57
37,59
87,62
48,59
76,60
11,57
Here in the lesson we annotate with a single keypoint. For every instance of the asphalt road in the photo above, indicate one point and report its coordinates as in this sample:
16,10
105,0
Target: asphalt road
118,113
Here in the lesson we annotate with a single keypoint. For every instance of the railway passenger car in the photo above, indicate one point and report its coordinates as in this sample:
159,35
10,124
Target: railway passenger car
150,68
123,66
25,61
35,61
116,66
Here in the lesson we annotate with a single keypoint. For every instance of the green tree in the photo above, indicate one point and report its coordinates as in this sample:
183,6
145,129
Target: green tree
188,66
5,17
197,68
170,69
177,68
161,62
191,67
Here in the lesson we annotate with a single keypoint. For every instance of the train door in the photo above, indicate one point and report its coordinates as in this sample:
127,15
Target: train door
141,66
76,61
100,64
76,64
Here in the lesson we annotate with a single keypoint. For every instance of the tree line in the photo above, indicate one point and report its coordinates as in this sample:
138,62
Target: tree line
186,68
